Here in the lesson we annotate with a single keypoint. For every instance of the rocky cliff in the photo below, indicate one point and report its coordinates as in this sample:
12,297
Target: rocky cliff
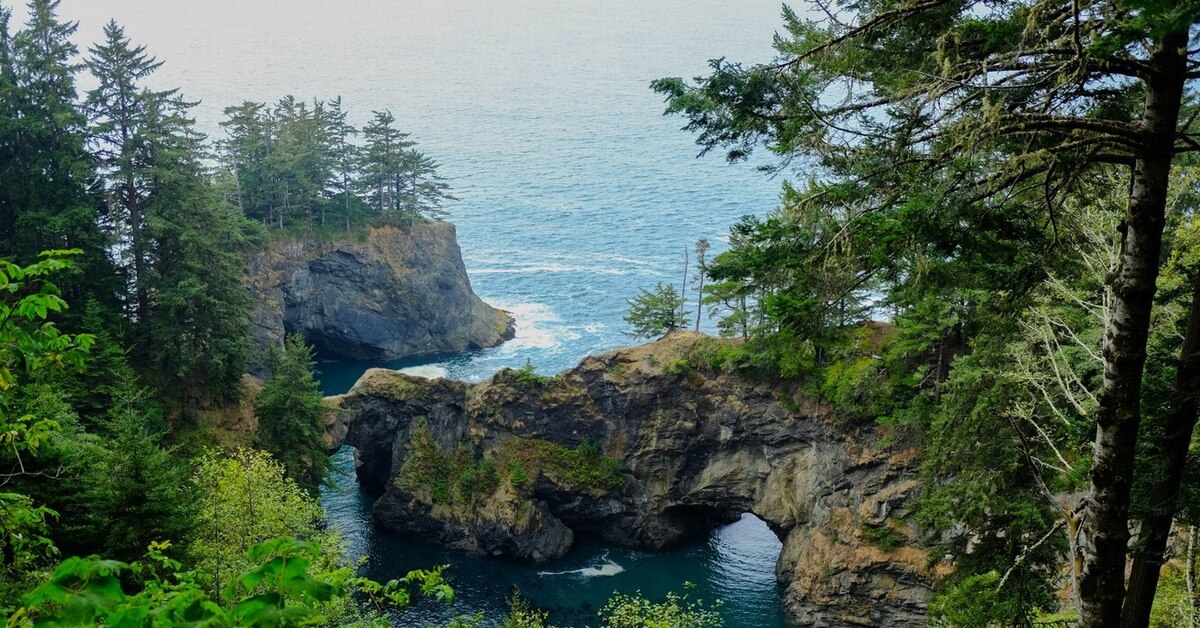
395,293
646,446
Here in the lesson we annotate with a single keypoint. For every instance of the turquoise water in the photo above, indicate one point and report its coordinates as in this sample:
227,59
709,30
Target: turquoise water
575,192
734,565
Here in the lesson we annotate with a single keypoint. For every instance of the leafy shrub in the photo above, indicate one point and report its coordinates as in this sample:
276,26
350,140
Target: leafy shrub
450,479
584,467
279,588
589,449
676,611
517,475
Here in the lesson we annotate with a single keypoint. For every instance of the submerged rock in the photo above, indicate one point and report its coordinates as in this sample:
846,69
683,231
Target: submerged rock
647,447
396,293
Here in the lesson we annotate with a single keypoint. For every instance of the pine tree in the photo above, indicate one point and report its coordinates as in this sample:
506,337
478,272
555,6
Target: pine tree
46,200
423,191
382,163
346,158
953,114
291,414
198,329
146,495
118,107
656,313
244,151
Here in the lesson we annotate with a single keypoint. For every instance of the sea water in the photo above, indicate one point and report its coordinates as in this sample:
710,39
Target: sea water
575,193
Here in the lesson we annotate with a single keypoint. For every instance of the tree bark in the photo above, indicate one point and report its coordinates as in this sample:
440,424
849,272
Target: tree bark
1164,493
1106,522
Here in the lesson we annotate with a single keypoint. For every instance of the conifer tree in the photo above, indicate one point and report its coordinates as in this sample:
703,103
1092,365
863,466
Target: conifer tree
46,199
917,118
345,156
291,414
383,160
422,190
118,108
656,313
198,329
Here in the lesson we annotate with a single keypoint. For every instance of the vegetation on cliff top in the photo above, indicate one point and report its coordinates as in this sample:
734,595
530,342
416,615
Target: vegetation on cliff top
459,478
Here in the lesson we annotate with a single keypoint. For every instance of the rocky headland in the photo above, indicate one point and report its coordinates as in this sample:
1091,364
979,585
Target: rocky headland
389,294
646,446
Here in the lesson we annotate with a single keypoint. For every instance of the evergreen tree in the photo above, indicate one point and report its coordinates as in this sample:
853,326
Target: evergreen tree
382,166
198,329
144,492
345,155
656,313
46,201
247,144
291,414
118,108
985,114
422,191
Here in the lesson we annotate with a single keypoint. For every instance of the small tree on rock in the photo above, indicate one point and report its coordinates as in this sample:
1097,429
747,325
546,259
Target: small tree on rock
656,313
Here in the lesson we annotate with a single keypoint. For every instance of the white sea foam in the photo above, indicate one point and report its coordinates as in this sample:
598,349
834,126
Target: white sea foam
537,327
428,371
607,569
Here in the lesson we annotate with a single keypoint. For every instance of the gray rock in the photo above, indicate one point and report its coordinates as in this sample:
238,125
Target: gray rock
399,293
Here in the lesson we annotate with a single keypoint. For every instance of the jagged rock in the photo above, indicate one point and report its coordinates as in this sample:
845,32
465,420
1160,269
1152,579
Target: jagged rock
397,293
694,449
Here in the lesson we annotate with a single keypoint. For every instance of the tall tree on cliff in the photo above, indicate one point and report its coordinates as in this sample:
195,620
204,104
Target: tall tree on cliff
345,153
45,171
199,320
249,134
118,108
910,107
382,164
423,190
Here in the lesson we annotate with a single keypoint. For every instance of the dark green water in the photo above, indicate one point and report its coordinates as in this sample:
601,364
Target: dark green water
735,565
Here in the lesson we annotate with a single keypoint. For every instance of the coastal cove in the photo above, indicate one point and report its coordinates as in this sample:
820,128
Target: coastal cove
735,564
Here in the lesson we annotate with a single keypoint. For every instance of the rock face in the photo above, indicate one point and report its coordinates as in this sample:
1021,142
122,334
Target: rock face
646,447
397,293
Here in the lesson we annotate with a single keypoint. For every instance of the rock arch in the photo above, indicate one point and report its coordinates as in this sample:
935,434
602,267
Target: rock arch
693,449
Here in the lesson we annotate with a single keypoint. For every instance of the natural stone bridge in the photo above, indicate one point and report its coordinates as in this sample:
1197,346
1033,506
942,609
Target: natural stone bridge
645,447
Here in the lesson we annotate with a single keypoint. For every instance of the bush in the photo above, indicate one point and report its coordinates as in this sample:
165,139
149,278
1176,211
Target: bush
449,479
583,467
676,611
881,536
527,377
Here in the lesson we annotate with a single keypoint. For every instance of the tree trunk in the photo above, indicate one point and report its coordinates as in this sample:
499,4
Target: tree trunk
683,288
1164,493
1106,522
